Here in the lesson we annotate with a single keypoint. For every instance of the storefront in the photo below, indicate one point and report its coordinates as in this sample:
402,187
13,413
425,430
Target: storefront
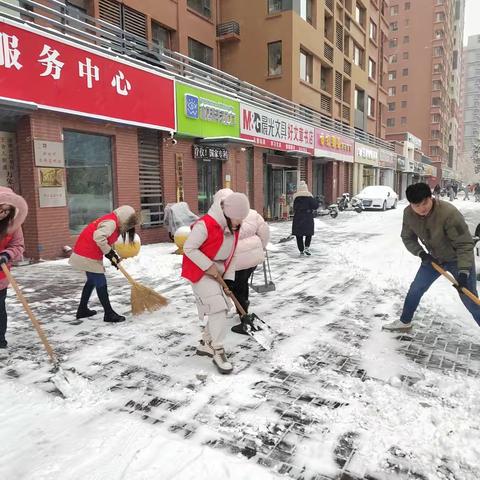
387,164
285,147
332,172
74,120
365,171
208,126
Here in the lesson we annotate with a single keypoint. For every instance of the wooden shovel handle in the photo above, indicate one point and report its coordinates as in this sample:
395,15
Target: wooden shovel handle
30,314
447,275
221,281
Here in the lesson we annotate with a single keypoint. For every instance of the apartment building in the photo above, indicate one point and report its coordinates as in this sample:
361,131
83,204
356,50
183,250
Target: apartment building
423,77
186,26
470,164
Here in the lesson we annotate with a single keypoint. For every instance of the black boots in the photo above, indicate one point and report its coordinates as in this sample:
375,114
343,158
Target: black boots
3,343
110,314
83,310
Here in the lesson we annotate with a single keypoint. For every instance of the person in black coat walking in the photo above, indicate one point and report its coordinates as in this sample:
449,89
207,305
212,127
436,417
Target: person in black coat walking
303,207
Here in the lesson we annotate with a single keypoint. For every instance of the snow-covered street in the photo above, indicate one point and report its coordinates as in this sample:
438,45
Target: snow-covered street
336,398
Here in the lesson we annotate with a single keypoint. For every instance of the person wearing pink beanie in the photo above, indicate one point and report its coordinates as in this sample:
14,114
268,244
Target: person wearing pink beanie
209,253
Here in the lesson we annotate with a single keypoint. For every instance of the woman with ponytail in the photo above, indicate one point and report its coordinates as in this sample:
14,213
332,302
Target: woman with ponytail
13,211
94,242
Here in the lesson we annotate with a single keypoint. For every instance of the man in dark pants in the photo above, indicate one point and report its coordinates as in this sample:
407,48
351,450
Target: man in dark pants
442,230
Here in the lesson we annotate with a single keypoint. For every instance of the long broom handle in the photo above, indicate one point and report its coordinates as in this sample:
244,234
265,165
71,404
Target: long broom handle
467,292
127,275
221,281
32,317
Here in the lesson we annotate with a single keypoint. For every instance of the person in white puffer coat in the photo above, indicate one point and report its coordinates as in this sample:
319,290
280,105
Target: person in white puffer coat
253,240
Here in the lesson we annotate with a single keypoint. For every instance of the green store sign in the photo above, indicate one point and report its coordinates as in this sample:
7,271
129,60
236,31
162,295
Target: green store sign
204,114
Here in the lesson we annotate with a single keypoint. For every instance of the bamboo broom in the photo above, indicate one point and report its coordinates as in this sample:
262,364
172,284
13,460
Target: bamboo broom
142,298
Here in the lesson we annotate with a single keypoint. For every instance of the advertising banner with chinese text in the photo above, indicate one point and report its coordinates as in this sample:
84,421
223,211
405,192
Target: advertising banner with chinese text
274,131
387,159
57,75
333,145
366,154
204,114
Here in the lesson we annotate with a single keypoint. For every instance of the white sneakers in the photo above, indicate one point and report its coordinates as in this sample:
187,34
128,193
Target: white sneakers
397,326
205,349
307,251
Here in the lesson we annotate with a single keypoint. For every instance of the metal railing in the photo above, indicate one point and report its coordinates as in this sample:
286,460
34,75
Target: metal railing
228,28
95,33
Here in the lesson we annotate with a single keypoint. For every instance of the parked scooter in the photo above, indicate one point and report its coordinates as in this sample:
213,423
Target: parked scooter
345,203
324,210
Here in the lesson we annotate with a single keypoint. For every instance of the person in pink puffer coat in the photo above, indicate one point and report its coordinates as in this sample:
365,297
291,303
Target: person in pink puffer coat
13,211
254,237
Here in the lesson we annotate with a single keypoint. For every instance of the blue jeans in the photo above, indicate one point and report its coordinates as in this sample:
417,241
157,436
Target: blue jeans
426,275
97,280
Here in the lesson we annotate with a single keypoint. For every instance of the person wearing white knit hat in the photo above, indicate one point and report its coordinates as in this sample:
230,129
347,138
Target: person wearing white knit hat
302,226
209,253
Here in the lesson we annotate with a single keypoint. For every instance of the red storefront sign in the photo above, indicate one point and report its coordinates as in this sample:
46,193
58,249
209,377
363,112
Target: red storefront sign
56,75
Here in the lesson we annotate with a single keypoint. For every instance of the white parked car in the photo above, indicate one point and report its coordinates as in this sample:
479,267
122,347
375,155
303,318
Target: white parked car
378,197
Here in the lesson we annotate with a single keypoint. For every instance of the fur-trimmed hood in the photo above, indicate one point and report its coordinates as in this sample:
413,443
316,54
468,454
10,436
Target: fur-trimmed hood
9,197
127,217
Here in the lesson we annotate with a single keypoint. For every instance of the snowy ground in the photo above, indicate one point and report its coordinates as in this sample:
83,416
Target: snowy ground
336,398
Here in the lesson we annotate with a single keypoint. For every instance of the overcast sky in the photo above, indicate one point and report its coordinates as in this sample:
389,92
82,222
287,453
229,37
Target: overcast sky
472,18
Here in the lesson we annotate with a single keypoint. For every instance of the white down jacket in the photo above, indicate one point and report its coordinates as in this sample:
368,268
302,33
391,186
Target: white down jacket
254,237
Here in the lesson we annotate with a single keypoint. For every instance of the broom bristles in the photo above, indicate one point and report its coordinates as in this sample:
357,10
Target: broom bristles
144,299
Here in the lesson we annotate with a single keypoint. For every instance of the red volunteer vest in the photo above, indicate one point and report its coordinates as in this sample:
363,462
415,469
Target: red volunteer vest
210,247
86,245
3,245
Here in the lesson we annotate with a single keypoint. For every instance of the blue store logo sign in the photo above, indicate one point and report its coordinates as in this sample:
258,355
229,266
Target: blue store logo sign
191,106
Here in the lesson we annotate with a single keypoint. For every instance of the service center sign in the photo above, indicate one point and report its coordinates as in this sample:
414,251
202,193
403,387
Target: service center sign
269,130
56,75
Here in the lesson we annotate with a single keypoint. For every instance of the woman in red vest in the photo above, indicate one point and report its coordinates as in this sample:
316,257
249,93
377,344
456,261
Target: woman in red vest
13,210
208,253
94,242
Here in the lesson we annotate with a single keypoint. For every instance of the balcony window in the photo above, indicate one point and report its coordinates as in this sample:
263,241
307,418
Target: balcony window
306,66
160,36
373,31
391,106
404,88
392,58
393,42
360,14
200,6
436,101
394,10
392,91
371,107
357,55
390,122
199,51
274,58
405,72
306,10
277,6
372,69
405,55
394,26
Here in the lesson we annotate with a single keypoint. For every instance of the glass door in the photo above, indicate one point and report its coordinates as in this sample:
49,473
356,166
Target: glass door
209,182
291,179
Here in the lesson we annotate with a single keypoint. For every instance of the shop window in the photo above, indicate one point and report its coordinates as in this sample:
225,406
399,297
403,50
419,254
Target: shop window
88,162
202,7
274,58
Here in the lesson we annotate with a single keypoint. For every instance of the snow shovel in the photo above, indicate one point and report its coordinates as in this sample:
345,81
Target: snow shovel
143,299
464,290
268,285
252,325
